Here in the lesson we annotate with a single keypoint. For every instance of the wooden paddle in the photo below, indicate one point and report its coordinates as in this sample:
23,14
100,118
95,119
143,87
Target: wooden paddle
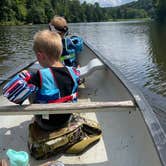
16,70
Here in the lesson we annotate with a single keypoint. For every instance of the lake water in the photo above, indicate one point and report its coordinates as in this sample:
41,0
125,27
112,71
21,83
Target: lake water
136,48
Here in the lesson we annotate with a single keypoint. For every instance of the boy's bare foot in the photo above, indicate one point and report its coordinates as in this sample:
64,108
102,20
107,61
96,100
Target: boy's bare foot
3,162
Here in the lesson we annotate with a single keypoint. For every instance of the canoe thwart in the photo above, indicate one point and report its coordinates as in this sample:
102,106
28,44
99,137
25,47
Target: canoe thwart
34,109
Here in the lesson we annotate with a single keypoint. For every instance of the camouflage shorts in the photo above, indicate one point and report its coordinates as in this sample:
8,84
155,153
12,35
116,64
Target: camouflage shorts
74,138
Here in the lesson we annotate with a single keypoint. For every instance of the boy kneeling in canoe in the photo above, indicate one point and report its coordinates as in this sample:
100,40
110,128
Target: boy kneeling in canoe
54,83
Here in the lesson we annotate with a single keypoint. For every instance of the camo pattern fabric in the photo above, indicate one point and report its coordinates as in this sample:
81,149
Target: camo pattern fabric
43,144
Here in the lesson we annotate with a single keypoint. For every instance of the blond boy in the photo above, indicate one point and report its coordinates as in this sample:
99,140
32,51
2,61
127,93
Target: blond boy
56,82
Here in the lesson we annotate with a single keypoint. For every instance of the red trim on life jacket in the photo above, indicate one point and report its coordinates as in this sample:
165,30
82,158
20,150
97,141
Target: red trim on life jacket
64,99
77,72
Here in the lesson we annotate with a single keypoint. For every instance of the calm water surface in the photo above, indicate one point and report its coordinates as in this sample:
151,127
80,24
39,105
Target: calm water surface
137,48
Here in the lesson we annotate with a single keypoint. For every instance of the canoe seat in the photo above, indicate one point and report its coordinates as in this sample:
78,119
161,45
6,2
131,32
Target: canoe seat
94,64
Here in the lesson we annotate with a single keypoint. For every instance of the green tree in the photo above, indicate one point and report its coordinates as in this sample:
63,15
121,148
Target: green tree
161,10
19,6
6,11
36,15
41,11
136,13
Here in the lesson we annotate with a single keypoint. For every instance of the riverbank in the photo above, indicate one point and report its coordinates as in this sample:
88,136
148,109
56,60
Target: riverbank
12,23
8,23
131,19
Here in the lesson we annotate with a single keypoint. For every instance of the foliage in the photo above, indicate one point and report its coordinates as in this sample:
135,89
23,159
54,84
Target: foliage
161,10
155,9
136,9
41,11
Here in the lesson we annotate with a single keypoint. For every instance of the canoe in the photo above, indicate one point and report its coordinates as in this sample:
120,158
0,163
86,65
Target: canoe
132,135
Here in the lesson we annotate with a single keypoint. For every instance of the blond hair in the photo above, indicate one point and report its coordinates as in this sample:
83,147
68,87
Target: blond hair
59,22
48,42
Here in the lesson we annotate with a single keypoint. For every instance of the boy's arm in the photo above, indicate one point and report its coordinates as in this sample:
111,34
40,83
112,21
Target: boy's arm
35,79
18,89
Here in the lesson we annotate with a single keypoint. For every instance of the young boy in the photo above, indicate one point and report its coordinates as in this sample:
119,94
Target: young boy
55,82
71,46
48,49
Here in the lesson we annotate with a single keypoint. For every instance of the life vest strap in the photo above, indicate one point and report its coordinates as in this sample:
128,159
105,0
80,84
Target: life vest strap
65,57
65,98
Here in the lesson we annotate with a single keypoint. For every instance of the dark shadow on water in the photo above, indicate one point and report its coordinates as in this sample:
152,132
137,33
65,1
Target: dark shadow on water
157,37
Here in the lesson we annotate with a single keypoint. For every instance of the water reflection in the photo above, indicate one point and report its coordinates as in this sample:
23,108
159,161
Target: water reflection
137,49
157,50
15,46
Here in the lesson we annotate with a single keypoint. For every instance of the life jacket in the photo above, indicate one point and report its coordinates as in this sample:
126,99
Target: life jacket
71,47
68,53
78,42
49,91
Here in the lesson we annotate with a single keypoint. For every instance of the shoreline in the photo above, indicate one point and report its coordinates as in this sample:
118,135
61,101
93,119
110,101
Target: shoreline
18,23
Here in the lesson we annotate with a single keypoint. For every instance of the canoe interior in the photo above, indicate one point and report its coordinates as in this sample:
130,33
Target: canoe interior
125,142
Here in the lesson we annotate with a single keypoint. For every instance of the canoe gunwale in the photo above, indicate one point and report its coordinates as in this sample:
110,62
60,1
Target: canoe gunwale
153,125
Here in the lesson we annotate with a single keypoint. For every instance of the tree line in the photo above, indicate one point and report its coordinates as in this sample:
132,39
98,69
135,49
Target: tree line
41,11
154,9
136,9
160,10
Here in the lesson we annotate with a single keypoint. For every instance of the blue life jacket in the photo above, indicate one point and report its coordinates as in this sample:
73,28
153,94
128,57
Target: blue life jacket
49,90
71,47
78,43
68,56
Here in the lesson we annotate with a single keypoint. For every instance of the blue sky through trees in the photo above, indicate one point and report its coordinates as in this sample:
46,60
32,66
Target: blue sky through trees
105,3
